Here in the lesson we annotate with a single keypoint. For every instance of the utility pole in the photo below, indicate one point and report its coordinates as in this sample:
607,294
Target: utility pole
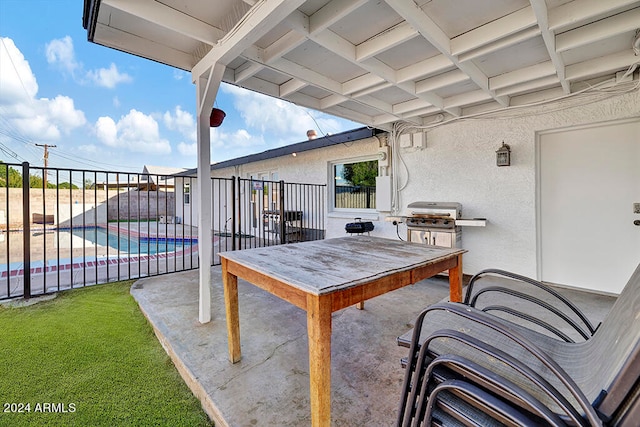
46,162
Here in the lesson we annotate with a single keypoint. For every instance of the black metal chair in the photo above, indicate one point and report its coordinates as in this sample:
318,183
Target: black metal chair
547,380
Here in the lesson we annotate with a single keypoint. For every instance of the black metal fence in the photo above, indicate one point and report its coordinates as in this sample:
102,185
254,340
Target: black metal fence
66,228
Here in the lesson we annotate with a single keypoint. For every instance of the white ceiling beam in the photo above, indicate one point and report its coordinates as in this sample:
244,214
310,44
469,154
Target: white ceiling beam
283,45
533,72
377,103
302,99
528,86
313,78
381,120
493,31
338,45
409,106
341,111
467,98
409,11
385,41
600,30
603,65
548,36
502,43
361,83
576,12
249,69
262,86
372,89
345,49
290,86
331,13
331,100
309,76
338,111
427,67
440,81
260,19
167,17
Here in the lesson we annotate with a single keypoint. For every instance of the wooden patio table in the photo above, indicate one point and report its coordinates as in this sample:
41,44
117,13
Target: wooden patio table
324,276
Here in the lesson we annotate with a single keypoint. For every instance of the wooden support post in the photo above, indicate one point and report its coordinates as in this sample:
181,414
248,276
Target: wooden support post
319,330
230,284
455,281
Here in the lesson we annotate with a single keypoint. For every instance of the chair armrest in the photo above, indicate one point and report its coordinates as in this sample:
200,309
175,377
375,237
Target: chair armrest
586,329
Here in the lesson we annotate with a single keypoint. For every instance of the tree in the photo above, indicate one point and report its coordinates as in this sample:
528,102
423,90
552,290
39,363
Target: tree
9,177
361,173
66,185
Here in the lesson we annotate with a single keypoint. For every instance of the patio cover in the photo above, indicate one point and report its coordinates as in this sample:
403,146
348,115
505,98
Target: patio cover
380,63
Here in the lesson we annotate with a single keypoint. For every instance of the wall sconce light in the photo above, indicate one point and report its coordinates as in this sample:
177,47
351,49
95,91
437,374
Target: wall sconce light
503,155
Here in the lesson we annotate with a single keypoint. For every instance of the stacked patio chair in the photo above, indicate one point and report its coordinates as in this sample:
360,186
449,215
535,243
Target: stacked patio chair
469,367
524,304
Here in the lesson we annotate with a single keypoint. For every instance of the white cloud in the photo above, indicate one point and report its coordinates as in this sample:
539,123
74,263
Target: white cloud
16,79
136,132
62,111
286,121
188,150
27,116
60,53
181,121
108,77
179,74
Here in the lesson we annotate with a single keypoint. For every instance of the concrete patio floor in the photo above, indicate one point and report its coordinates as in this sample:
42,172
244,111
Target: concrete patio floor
270,385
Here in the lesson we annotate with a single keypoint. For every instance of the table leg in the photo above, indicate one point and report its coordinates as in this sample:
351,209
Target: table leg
319,330
230,284
455,281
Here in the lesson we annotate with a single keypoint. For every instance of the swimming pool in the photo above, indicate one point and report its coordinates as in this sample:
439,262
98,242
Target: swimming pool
55,245
124,242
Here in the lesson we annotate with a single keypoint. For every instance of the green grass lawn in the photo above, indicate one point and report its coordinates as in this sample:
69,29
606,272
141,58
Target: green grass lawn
89,358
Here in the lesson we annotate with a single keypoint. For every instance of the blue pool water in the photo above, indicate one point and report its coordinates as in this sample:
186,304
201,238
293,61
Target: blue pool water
122,242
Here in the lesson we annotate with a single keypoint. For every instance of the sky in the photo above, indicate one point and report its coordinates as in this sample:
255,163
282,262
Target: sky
107,110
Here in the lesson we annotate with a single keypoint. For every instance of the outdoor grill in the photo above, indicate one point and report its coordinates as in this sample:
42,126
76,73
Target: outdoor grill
437,223
434,223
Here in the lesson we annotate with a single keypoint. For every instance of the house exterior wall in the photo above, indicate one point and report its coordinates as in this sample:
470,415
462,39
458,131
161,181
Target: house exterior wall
312,167
459,165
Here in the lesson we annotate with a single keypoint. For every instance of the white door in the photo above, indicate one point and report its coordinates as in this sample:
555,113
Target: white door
589,181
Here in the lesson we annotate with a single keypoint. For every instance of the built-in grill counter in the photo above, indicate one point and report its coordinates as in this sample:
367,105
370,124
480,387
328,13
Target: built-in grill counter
438,223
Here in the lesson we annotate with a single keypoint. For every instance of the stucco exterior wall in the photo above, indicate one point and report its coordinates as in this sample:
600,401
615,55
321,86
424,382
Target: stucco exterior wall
459,165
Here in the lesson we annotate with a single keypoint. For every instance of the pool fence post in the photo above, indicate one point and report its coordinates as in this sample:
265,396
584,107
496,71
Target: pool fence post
26,233
283,214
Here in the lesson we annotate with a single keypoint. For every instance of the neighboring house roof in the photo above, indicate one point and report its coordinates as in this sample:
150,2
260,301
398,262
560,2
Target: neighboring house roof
161,173
312,144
